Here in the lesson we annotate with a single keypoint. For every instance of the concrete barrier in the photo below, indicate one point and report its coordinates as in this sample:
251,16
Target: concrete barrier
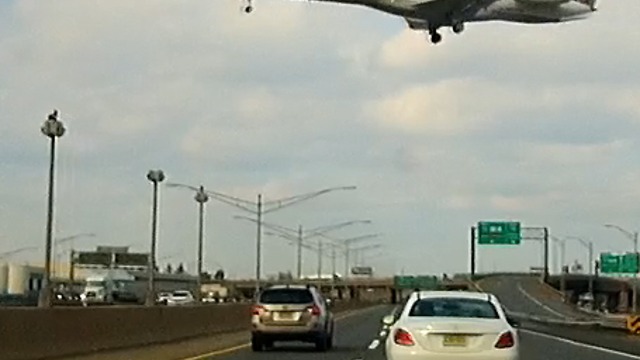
33,334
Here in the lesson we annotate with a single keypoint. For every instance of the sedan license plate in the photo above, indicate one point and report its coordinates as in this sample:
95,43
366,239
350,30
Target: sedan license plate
454,340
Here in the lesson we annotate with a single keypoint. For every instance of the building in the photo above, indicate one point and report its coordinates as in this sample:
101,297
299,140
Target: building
20,279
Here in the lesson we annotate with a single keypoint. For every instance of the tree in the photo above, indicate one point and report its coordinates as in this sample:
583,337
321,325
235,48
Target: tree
180,269
219,275
169,269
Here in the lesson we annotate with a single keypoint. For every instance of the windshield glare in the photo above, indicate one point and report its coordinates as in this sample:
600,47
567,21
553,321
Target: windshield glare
454,307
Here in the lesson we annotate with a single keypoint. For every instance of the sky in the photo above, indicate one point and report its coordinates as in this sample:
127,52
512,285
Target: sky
537,124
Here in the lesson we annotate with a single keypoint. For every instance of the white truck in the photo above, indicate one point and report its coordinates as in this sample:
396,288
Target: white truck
111,286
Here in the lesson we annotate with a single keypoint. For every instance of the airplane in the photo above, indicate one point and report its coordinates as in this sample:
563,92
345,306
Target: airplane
431,15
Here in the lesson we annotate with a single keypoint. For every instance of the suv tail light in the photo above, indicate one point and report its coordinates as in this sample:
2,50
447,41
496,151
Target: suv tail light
505,341
314,310
403,337
257,310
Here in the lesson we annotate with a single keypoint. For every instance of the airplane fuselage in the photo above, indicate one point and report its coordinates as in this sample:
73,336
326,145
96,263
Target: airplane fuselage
541,11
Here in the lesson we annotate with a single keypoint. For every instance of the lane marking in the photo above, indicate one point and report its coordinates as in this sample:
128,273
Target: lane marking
583,345
537,302
247,345
374,344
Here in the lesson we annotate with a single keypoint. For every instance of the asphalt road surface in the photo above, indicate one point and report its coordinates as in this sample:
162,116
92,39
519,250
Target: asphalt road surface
527,295
358,337
539,346
353,336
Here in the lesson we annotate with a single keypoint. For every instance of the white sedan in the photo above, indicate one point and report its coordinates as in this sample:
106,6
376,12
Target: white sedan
447,325
181,297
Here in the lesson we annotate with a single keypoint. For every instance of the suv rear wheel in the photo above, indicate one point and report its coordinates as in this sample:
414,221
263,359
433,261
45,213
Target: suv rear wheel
256,344
323,342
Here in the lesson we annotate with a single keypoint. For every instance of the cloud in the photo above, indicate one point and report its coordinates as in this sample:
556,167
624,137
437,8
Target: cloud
503,121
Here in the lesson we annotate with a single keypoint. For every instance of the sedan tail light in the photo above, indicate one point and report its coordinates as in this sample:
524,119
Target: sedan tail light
505,341
403,337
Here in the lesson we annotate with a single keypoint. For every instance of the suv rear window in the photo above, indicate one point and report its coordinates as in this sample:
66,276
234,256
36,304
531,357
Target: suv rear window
454,307
286,296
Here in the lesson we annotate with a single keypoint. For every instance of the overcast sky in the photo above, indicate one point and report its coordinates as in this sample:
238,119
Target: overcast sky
537,124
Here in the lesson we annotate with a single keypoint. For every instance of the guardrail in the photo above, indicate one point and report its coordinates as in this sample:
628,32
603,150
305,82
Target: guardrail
35,333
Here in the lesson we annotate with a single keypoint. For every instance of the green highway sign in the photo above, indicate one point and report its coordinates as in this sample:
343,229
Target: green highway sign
619,263
499,233
416,282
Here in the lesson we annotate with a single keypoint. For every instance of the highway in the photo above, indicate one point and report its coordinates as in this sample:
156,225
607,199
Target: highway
523,294
358,335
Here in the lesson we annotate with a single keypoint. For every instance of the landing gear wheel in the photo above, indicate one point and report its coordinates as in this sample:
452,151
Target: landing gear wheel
248,9
435,37
458,27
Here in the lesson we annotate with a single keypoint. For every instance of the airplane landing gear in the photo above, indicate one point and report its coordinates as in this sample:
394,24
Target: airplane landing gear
248,7
458,27
435,37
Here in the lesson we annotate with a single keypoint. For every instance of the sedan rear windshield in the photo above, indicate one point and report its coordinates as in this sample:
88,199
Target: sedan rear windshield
286,296
454,307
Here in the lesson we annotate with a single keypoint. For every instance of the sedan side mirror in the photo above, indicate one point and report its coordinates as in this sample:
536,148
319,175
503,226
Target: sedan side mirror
388,320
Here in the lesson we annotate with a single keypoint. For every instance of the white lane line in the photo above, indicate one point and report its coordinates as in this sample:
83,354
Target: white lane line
537,302
583,345
374,344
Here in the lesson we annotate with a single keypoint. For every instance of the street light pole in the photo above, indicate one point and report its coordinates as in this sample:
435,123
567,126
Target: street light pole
299,259
156,177
259,245
201,198
633,237
260,208
53,129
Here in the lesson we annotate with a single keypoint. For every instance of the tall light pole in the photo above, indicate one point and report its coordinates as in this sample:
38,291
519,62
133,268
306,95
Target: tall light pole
259,208
589,246
156,177
562,244
201,198
53,129
347,243
633,236
300,236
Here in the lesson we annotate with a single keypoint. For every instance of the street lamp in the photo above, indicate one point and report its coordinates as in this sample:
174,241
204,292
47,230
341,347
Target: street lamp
7,254
259,208
61,241
156,177
300,236
634,238
201,198
589,246
347,248
562,244
53,129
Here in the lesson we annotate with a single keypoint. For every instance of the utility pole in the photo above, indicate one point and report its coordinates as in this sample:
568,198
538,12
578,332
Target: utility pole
299,255
259,245
201,198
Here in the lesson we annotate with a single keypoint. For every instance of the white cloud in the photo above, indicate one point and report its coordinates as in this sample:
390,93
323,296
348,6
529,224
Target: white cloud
532,122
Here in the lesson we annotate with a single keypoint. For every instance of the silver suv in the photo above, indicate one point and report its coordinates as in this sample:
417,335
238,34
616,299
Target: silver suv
291,313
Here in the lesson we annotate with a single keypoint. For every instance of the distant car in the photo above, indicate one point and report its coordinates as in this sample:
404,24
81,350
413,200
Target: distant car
163,298
448,325
291,313
181,297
